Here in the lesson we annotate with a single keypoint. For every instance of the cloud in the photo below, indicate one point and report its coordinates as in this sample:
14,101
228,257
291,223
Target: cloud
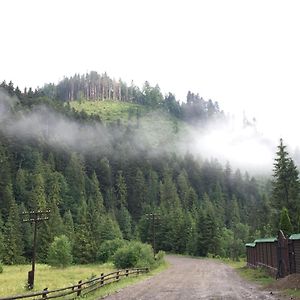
240,143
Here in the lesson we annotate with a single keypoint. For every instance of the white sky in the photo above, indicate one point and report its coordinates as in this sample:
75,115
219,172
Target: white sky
243,54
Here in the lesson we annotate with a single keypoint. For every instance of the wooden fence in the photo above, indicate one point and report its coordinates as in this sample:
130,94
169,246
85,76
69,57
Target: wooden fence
82,288
280,255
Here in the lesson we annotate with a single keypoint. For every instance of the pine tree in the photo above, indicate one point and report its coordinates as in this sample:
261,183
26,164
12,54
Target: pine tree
5,180
44,239
13,243
21,192
233,213
55,221
2,248
121,190
27,234
109,229
183,188
37,197
286,185
84,244
75,175
138,198
209,241
285,223
125,222
69,226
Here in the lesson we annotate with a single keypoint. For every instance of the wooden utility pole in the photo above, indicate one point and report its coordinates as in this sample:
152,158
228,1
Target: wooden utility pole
153,217
34,217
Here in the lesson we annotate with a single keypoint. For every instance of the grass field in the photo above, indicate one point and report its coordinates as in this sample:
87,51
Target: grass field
110,110
14,278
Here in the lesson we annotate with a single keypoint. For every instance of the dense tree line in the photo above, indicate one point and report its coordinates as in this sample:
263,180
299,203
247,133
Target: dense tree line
93,86
202,207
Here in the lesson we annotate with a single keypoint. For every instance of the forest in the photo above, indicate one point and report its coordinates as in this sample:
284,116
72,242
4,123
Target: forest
102,180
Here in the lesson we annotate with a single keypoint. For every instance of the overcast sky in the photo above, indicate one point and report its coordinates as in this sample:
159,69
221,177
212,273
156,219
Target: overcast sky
243,54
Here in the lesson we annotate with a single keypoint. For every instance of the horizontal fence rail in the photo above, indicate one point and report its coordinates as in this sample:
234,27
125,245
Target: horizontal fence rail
82,288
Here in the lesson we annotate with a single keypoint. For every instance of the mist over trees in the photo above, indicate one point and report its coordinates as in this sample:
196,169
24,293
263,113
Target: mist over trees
202,207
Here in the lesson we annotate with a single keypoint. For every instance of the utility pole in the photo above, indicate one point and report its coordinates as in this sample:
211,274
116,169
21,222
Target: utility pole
34,217
153,217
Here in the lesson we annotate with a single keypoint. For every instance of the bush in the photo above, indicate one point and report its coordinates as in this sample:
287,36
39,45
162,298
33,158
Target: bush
60,252
1,267
134,254
160,256
108,249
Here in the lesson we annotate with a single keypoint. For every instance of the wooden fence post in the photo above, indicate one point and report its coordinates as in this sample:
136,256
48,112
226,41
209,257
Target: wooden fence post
45,292
79,288
102,277
117,278
127,272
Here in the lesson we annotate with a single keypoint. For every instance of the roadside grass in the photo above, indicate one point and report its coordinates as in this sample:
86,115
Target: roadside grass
258,275
293,293
14,278
125,282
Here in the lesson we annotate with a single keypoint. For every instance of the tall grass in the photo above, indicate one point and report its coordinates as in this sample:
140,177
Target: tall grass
14,278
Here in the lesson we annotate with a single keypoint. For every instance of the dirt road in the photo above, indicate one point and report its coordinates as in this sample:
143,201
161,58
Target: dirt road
189,278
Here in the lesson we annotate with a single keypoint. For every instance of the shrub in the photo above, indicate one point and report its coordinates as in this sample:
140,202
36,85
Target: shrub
160,256
60,252
1,267
108,249
134,254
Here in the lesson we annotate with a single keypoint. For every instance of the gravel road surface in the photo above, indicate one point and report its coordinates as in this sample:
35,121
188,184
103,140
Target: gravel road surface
190,278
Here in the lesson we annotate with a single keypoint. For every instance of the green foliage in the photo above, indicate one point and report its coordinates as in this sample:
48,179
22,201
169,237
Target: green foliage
285,223
60,252
134,254
124,220
13,244
2,248
159,257
108,249
1,267
109,110
286,185
105,194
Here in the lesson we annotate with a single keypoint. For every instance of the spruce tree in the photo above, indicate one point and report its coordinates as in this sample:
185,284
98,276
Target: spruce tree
2,248
27,234
75,176
5,179
84,244
55,221
69,226
125,222
121,190
285,223
286,185
13,243
137,200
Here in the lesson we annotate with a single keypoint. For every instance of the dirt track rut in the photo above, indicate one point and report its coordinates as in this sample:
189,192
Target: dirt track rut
190,278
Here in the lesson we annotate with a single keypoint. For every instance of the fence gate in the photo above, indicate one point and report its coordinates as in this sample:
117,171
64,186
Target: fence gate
283,264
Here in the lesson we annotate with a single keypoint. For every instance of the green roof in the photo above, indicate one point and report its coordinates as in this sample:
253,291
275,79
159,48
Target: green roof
295,236
250,245
266,240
